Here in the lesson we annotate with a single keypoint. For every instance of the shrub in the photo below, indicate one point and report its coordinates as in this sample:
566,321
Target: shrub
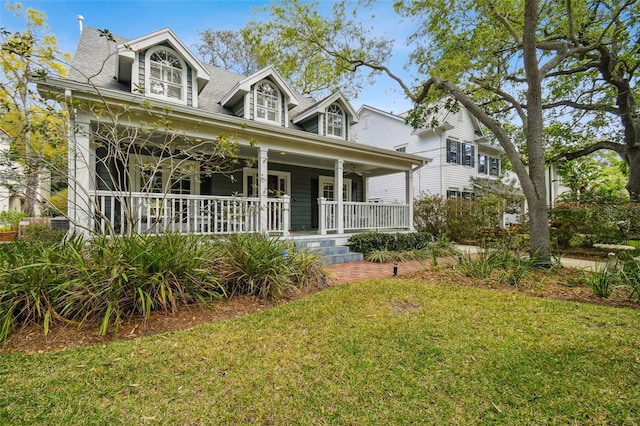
588,224
510,266
9,220
631,276
457,219
372,241
256,264
108,279
43,234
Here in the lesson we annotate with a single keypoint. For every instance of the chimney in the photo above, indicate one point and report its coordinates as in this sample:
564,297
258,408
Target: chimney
80,19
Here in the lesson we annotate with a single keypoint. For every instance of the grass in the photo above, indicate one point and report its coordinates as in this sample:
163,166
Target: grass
376,352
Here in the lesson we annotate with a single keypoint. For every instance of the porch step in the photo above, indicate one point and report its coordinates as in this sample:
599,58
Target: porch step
330,252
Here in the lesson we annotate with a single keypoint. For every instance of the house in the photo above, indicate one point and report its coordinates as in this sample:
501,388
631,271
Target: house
464,162
145,112
457,147
10,173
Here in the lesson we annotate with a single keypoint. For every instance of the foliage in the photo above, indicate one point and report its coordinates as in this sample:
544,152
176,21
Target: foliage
43,234
228,50
254,264
10,219
588,224
594,179
457,219
371,241
507,265
603,282
295,36
57,204
37,127
111,278
631,276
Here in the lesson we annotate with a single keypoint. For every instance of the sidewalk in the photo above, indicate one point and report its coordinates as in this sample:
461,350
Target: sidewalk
344,273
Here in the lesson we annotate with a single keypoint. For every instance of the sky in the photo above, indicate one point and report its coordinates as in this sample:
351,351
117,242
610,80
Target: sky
134,18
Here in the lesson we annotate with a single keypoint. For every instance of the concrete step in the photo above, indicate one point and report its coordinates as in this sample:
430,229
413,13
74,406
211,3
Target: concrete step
330,252
312,244
334,259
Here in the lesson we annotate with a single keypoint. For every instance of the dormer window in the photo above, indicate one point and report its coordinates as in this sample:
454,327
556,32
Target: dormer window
166,74
335,121
267,102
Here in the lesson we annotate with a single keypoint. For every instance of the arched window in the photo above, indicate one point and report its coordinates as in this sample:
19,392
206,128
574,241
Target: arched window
335,121
267,102
166,74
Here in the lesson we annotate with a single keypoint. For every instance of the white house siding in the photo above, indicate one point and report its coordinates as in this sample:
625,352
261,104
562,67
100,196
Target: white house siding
389,131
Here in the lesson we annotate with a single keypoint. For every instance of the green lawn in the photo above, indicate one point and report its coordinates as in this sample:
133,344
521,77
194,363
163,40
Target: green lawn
382,352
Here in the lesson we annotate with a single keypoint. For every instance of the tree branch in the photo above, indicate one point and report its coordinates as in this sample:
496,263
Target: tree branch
618,148
584,107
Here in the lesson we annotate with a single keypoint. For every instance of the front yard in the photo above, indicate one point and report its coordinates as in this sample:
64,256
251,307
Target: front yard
390,351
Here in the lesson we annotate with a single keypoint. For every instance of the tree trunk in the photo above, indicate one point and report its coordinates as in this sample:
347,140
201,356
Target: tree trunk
538,209
31,193
633,186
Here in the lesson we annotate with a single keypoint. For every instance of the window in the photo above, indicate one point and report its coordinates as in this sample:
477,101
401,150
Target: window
160,176
335,121
494,166
488,165
401,148
482,164
327,189
166,75
463,195
278,183
267,102
461,153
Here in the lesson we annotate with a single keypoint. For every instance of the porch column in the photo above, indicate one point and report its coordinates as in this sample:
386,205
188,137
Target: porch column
81,178
409,197
338,195
365,189
322,215
263,176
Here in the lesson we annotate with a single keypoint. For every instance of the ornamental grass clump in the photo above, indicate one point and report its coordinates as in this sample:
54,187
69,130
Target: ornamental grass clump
143,274
255,264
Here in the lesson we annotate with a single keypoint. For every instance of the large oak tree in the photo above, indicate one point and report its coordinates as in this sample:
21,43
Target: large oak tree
495,57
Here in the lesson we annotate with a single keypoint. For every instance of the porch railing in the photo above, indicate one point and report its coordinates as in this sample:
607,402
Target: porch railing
145,213
358,215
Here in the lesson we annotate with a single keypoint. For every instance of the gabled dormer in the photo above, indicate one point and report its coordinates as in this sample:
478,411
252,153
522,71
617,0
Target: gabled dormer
263,96
332,116
160,66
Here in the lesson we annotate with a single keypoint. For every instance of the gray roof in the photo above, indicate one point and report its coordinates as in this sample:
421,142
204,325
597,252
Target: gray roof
95,61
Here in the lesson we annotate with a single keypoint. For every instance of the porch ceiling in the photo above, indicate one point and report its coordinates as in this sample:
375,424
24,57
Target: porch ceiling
361,168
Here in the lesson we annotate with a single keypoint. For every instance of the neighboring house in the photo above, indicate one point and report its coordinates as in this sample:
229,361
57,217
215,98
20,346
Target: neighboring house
12,179
457,149
10,173
309,175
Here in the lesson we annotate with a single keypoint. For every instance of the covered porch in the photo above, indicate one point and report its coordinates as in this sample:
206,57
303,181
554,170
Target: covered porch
144,213
295,182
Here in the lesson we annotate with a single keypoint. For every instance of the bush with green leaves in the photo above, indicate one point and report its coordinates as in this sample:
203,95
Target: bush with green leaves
9,220
588,224
397,242
457,219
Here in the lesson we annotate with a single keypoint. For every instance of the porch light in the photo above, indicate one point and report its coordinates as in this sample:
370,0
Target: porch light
282,153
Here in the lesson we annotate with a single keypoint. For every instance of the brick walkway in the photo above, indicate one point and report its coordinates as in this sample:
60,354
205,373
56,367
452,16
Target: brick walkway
344,273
